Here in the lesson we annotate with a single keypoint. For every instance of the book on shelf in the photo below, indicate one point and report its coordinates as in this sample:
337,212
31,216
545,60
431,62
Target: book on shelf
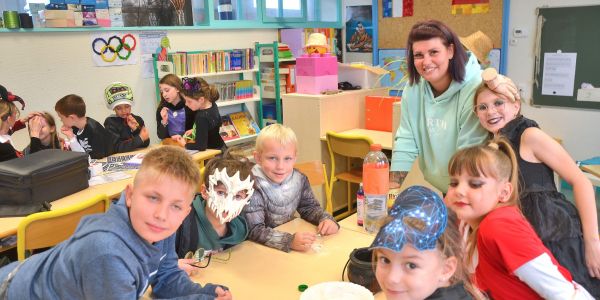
189,63
290,80
227,130
244,123
267,122
245,149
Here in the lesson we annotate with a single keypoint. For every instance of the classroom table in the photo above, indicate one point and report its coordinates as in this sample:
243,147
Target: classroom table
592,169
384,138
255,271
349,223
8,225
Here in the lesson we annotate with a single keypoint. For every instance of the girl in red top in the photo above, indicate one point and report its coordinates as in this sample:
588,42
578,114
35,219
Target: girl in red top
512,262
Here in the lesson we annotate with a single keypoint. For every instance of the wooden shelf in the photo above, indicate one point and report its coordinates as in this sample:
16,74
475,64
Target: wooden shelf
241,140
219,73
220,103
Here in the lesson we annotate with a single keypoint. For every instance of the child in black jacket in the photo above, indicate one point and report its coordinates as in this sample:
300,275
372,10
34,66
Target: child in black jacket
128,127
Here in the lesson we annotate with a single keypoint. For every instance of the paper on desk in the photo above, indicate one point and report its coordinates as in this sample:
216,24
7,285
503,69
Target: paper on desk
559,74
106,178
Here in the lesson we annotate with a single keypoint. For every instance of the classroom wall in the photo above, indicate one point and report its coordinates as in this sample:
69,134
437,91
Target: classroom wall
578,128
42,67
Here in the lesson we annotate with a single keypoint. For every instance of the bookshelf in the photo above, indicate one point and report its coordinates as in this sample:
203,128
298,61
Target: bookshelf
270,63
241,140
218,65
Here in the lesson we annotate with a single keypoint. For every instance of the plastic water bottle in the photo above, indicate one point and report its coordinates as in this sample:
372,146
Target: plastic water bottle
376,181
360,205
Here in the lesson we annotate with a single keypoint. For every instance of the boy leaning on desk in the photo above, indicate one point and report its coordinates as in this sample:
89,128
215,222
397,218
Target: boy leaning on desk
117,255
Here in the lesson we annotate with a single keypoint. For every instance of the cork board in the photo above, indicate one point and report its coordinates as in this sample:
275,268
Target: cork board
393,32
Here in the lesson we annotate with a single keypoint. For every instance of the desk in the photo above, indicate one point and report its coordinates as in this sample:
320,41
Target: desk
384,138
8,226
592,169
255,271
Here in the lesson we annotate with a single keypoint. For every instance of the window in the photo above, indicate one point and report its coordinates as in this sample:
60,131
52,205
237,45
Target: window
290,10
235,10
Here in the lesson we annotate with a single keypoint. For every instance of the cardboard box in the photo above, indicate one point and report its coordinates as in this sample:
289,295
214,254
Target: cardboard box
359,75
56,14
55,23
378,112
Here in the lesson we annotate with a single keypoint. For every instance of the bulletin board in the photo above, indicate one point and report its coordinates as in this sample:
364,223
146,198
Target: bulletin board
567,30
393,32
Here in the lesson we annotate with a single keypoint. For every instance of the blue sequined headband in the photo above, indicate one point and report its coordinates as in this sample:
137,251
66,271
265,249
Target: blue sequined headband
419,217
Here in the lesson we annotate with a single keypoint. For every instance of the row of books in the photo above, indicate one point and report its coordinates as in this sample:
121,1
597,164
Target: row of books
237,125
185,63
235,90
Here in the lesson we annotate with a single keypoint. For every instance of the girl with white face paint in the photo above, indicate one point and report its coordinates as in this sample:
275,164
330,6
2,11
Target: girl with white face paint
214,224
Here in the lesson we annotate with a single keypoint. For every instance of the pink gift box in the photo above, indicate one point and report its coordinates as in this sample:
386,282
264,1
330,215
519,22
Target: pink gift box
316,65
316,84
104,22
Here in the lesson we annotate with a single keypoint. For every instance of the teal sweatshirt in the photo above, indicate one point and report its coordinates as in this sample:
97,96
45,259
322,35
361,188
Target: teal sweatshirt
208,238
434,128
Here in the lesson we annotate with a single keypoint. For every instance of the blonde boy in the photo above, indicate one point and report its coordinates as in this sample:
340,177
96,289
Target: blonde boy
117,255
280,191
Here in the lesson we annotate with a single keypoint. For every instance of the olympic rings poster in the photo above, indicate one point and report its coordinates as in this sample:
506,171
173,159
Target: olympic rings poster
114,49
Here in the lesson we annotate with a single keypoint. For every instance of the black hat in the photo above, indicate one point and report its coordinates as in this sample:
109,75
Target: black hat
5,95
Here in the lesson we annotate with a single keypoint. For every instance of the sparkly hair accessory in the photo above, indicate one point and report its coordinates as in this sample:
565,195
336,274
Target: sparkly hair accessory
419,218
10,97
191,84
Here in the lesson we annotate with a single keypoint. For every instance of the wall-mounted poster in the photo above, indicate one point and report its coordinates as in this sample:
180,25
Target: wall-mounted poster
160,12
393,60
359,29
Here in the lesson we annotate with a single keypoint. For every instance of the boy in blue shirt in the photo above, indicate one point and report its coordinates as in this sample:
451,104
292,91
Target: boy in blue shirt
117,255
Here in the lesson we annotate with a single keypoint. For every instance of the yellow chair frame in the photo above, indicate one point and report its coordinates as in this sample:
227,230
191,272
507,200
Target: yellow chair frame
46,229
317,175
350,146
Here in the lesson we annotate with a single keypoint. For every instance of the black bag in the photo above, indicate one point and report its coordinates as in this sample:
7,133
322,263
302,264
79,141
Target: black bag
28,184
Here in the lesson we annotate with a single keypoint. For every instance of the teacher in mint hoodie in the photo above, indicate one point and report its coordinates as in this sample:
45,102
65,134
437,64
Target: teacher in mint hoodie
437,105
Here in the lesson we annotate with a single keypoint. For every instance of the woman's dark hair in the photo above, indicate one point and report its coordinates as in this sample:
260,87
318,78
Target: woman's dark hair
427,30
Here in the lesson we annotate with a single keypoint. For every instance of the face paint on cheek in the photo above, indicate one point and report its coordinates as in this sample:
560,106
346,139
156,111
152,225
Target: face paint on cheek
226,207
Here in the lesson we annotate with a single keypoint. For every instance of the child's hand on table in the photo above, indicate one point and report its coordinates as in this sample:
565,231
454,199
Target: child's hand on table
185,265
327,227
302,241
223,294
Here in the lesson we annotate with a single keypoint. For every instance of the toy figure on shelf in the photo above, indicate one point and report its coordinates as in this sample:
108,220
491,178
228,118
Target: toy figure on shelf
317,44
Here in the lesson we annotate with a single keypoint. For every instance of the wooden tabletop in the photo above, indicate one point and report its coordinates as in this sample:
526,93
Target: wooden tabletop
384,138
255,271
592,169
8,226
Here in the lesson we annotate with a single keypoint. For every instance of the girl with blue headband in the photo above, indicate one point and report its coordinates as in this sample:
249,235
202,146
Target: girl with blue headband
418,253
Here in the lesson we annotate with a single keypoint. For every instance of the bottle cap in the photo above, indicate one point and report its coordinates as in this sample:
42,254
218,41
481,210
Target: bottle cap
302,287
375,147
